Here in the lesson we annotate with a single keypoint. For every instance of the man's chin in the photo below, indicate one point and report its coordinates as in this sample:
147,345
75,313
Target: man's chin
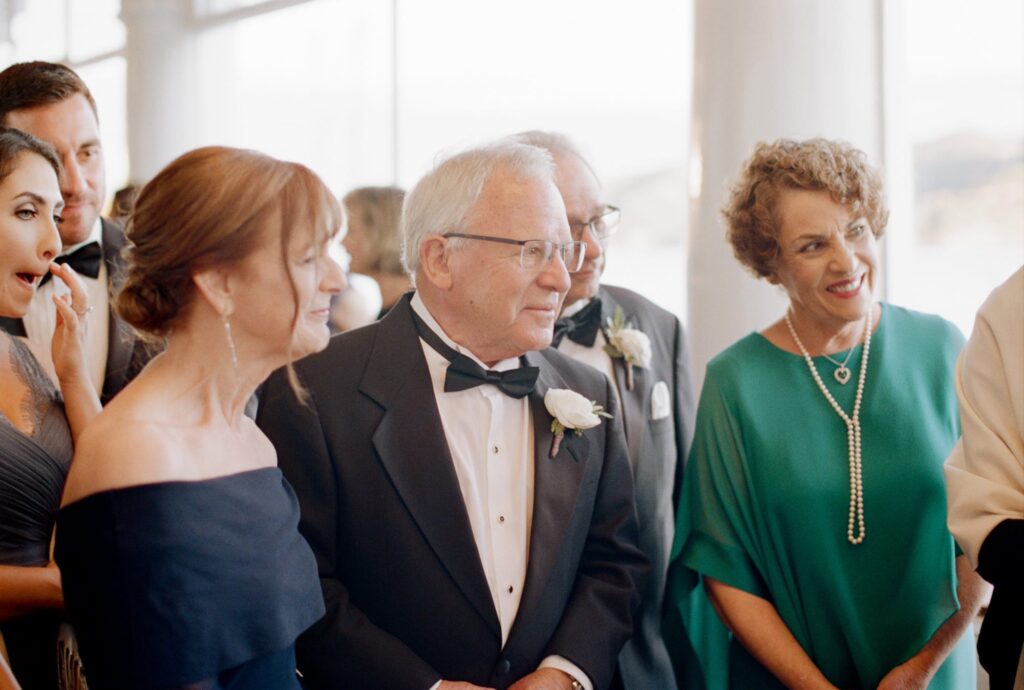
75,234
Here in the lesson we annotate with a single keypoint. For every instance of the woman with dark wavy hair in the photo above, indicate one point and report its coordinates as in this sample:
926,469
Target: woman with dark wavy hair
813,506
178,541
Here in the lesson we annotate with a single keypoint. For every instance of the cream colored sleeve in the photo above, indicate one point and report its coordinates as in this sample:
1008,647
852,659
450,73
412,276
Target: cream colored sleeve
985,473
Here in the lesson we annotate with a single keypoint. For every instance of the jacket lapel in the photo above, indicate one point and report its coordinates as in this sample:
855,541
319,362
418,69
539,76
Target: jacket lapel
633,401
411,444
556,486
120,339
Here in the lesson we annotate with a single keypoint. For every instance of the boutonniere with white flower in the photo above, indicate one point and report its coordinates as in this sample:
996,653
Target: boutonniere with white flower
571,411
629,344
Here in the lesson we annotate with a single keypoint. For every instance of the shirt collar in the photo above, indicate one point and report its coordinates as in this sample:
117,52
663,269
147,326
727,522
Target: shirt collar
421,310
576,307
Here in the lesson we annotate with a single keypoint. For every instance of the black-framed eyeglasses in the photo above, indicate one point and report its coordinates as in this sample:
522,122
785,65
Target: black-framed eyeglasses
535,254
603,226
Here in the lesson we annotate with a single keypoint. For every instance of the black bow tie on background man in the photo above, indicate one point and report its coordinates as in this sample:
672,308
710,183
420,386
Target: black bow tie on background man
85,261
581,327
464,373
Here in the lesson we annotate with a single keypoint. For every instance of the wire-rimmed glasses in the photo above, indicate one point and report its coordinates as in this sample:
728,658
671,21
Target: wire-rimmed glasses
535,254
603,226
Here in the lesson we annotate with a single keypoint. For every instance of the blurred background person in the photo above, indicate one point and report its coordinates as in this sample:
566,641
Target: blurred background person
178,542
813,505
38,422
985,475
374,242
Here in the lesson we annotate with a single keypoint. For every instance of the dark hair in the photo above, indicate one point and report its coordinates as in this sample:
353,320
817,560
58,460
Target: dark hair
751,211
14,143
32,84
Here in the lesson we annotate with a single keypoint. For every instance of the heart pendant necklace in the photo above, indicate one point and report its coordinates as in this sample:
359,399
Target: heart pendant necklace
842,374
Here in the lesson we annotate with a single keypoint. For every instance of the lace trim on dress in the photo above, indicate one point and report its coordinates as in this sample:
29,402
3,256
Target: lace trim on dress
41,395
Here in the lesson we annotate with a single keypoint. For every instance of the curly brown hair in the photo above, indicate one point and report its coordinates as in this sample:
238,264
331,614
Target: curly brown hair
751,218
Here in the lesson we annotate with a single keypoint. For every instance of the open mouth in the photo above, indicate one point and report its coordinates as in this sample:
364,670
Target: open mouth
29,279
847,287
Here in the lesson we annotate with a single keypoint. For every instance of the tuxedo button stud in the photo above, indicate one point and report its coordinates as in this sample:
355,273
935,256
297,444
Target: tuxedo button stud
501,519
504,666
494,449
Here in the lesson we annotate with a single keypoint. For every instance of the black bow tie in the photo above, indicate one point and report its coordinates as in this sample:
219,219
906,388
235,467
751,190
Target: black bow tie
463,373
85,260
581,327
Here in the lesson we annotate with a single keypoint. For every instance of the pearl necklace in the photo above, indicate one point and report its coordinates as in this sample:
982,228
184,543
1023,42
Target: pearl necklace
852,428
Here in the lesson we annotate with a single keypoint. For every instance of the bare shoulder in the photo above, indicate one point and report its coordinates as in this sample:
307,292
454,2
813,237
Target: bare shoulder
118,450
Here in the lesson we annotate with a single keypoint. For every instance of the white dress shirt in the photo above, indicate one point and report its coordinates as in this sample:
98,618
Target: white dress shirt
490,437
595,355
41,318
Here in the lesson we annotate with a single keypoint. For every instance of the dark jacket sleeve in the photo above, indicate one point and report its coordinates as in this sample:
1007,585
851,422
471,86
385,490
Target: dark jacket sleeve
683,405
343,649
598,618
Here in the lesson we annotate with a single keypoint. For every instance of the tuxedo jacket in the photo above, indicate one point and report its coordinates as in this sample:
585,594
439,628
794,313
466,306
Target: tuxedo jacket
658,436
407,599
121,341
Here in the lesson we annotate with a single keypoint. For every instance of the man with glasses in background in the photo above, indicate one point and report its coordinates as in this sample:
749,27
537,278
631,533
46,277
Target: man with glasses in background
470,530
642,348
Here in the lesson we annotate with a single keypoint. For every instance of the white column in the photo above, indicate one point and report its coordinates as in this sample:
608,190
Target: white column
162,117
765,70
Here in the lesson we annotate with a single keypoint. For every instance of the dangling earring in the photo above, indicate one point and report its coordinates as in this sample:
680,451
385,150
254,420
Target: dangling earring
231,346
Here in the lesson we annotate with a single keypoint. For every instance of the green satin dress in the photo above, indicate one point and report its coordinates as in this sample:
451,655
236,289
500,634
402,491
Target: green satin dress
765,503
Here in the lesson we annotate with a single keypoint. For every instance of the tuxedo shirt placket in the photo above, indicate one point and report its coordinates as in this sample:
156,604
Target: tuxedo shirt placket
595,355
490,437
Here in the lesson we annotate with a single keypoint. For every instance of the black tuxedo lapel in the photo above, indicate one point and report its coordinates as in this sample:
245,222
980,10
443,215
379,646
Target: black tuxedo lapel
556,485
633,401
120,339
412,447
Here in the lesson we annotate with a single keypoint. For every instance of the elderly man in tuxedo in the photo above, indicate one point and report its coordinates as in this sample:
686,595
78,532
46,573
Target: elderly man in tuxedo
641,347
52,103
464,538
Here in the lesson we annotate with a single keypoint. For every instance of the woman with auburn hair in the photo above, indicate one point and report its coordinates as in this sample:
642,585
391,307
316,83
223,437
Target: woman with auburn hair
374,240
813,506
178,544
38,422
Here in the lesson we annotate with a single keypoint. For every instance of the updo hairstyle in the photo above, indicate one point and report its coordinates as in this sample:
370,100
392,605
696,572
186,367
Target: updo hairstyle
213,206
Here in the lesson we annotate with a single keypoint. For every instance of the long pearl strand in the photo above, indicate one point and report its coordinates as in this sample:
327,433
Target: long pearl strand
852,428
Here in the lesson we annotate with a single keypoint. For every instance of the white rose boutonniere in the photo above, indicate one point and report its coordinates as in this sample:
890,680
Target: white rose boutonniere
571,411
630,345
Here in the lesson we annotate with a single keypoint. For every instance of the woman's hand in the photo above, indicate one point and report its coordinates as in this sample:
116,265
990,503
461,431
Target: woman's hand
68,346
910,675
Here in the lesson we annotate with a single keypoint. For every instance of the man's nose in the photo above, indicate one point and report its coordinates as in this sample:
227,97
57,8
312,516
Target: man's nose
72,179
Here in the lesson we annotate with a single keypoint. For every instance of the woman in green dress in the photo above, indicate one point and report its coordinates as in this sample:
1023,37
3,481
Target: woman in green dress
813,508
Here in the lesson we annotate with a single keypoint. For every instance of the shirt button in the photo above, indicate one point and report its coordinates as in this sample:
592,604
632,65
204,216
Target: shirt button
501,518
510,588
494,449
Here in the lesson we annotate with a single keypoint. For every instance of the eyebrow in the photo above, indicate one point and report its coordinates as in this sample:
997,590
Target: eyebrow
39,200
89,144
816,235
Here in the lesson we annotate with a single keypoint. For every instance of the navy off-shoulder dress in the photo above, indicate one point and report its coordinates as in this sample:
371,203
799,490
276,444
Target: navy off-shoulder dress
201,585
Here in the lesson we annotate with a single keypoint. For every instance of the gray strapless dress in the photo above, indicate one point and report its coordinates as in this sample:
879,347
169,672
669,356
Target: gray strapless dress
32,473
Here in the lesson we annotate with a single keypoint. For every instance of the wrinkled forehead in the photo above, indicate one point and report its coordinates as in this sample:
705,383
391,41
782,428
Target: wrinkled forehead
520,207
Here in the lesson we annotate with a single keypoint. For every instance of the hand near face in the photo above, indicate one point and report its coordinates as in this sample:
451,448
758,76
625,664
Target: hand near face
544,679
68,345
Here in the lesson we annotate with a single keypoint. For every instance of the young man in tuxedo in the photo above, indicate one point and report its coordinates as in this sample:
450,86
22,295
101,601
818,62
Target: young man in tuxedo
656,398
461,542
52,103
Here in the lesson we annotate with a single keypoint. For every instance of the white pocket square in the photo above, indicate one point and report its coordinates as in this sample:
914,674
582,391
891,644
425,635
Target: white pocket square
661,402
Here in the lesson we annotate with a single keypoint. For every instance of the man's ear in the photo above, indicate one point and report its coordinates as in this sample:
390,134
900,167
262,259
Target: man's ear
435,262
215,287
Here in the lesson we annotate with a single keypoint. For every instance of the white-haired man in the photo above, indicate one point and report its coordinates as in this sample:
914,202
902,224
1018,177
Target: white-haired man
463,538
642,348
